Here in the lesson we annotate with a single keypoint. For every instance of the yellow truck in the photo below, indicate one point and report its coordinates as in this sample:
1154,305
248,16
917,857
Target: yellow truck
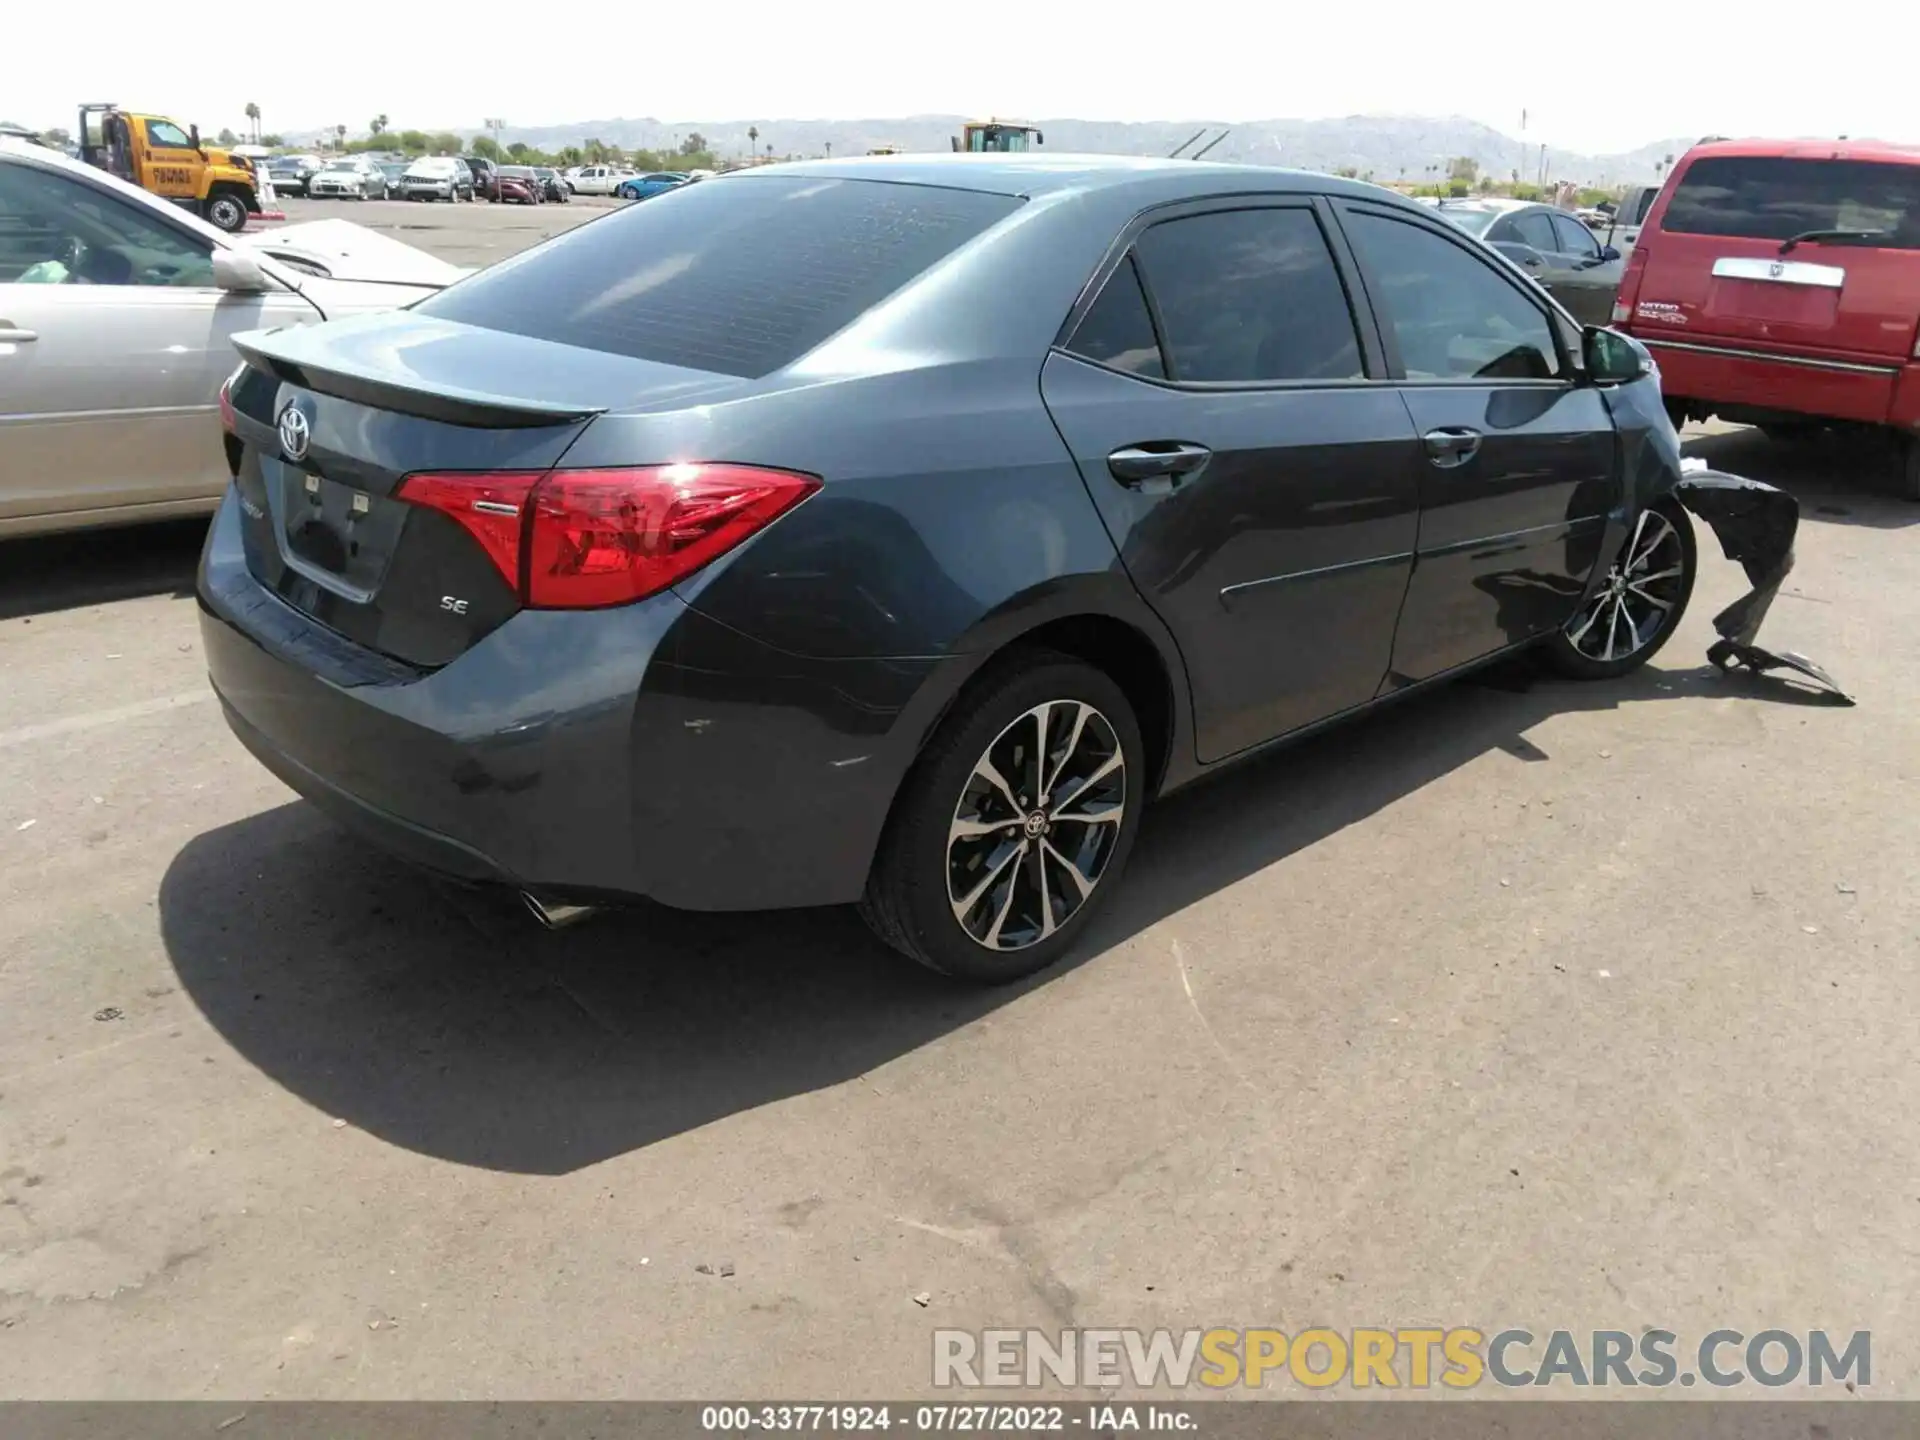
166,158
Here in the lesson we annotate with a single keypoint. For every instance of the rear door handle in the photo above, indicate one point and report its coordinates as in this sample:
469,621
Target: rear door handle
1157,465
11,332
1451,446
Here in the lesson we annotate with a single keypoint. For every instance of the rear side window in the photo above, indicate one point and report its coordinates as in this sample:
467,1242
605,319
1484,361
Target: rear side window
741,278
1118,331
1775,198
1452,315
1249,296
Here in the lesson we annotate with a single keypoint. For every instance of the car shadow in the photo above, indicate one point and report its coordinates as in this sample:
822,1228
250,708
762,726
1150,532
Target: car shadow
43,574
445,1021
1839,478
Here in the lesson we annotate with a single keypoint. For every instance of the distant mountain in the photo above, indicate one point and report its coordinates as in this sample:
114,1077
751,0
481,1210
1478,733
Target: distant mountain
1390,147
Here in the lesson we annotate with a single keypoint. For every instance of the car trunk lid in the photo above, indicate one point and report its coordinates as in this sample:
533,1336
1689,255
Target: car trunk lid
340,431
1723,259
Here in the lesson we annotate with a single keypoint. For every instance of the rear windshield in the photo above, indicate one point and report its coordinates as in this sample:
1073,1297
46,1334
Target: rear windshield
741,278
1474,222
1769,198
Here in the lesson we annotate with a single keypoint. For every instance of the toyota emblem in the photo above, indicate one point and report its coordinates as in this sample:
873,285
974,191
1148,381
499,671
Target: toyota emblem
293,433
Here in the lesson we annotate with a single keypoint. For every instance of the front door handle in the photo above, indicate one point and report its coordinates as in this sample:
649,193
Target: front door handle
1451,446
1158,465
11,332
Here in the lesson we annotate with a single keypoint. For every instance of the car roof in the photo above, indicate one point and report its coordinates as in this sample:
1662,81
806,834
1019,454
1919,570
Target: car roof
1811,149
1037,173
28,153
1496,203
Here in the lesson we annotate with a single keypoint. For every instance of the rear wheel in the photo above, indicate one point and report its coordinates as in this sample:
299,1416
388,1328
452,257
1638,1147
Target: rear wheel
1016,824
1639,603
1909,452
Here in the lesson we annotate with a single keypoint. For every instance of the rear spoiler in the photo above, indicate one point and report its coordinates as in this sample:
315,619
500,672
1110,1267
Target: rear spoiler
449,404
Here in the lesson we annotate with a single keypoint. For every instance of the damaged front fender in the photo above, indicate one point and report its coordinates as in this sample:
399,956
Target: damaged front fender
1755,524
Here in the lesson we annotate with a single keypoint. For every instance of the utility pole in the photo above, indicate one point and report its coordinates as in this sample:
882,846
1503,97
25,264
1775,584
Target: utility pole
496,126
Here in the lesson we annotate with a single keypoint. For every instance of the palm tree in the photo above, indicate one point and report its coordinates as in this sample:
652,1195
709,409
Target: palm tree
253,119
377,124
829,149
753,138
340,137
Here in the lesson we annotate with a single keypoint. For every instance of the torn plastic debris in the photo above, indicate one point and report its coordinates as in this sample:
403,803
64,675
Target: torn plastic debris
1755,524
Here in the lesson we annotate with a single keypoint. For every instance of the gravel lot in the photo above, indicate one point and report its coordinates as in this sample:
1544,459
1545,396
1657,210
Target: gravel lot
1525,1003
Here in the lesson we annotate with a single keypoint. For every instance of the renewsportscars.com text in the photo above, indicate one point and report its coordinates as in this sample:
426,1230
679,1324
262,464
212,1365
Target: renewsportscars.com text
1419,1358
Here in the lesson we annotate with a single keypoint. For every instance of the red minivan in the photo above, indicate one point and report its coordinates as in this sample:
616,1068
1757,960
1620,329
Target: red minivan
1777,283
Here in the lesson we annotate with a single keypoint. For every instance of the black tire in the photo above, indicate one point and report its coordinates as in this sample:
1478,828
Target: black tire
908,902
1789,432
227,210
1909,472
1565,653
1676,413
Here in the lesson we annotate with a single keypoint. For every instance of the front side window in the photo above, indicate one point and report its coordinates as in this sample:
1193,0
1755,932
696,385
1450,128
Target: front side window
1575,238
1451,314
1117,331
60,232
1248,296
1533,227
167,135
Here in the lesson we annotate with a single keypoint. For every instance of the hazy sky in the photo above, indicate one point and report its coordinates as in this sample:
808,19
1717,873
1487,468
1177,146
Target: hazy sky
1594,77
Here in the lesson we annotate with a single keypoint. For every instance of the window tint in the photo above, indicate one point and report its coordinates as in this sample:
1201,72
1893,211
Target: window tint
1535,228
1117,330
166,133
1575,238
740,278
1249,295
57,231
1452,314
1769,198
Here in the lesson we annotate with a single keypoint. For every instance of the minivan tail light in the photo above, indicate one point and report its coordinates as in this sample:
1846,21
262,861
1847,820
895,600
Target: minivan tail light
489,506
593,538
608,537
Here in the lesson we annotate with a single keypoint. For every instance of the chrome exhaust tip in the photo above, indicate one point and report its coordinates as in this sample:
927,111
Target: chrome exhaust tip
556,916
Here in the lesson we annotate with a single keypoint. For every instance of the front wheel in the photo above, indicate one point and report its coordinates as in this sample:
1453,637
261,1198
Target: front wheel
227,211
1015,826
1637,606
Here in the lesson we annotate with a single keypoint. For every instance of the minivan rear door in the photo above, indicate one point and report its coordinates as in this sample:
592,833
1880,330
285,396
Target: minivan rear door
1798,253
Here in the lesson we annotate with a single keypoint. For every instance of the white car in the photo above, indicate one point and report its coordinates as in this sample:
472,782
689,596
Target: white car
116,313
352,178
598,179
440,177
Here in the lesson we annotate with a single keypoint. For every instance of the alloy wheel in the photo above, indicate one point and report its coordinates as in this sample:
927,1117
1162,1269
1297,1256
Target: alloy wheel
1036,824
1636,602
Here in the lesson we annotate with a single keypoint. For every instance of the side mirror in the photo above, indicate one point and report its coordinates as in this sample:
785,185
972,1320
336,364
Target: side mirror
1613,358
1608,254
1039,138
239,272
193,134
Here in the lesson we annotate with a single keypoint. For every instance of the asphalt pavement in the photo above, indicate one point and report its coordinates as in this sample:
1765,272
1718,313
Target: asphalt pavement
1564,1006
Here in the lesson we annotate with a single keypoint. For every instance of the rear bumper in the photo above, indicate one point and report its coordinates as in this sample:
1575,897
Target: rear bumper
643,751
1732,376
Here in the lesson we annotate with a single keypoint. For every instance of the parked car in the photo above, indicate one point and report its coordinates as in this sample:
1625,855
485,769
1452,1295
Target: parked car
483,175
1622,228
552,187
117,312
645,187
437,178
350,178
598,179
515,185
1551,246
1778,284
884,548
393,171
291,173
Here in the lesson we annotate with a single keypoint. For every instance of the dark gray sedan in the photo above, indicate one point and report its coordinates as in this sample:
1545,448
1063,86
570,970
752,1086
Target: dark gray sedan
891,530
1551,246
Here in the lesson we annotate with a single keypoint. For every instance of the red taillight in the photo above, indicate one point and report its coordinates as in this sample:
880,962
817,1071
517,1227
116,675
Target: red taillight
490,507
227,421
606,537
1629,291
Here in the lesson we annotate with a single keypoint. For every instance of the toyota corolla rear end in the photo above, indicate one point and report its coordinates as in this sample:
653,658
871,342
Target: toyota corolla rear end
461,592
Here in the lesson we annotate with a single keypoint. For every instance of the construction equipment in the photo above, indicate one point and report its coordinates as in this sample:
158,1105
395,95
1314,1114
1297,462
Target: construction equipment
166,158
885,150
997,137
